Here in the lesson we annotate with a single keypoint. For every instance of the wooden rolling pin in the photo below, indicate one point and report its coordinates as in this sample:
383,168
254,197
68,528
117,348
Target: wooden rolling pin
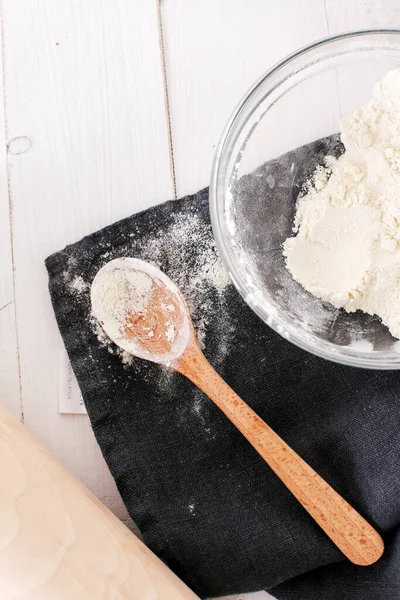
58,542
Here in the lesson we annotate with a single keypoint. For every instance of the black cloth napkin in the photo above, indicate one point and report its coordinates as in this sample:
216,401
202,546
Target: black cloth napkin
206,503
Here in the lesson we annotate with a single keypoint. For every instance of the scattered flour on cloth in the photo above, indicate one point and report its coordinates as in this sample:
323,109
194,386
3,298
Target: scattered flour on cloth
200,275
346,249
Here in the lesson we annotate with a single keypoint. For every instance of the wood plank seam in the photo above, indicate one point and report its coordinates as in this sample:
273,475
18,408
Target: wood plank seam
5,124
166,96
328,29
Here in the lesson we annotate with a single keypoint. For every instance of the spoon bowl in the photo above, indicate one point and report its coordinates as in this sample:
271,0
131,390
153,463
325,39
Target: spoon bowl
141,310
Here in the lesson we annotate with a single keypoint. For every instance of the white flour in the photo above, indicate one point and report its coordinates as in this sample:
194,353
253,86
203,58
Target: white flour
78,285
117,292
171,333
347,250
126,358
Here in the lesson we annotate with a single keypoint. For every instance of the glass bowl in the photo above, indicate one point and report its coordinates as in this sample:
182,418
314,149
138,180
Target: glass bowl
256,181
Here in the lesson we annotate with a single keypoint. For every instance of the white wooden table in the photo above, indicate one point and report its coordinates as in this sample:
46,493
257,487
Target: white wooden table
111,106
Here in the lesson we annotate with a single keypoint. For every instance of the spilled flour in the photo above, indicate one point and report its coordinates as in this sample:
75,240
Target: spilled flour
104,340
346,250
77,284
199,274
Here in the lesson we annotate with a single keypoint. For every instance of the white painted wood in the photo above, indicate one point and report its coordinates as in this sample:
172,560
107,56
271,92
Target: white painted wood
9,375
362,14
88,144
345,16
214,53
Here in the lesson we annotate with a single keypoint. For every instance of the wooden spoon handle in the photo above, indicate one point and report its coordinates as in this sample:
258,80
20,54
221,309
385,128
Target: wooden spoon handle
345,526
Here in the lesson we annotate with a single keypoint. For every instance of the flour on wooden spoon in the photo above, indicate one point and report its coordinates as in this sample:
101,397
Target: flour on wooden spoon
140,309
186,244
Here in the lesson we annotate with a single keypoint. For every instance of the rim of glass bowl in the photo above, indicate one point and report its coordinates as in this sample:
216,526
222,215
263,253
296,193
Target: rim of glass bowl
221,165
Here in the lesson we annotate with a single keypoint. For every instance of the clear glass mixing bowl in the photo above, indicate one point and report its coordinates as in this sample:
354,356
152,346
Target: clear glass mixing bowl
298,101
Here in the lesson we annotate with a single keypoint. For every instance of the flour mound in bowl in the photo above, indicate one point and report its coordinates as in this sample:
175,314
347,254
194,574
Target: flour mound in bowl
346,250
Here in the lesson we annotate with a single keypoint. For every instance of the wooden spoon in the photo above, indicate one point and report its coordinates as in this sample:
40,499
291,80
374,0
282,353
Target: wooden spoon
144,313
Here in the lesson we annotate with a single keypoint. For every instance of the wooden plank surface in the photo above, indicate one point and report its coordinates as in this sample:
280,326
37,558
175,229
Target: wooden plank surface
88,144
9,370
361,14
